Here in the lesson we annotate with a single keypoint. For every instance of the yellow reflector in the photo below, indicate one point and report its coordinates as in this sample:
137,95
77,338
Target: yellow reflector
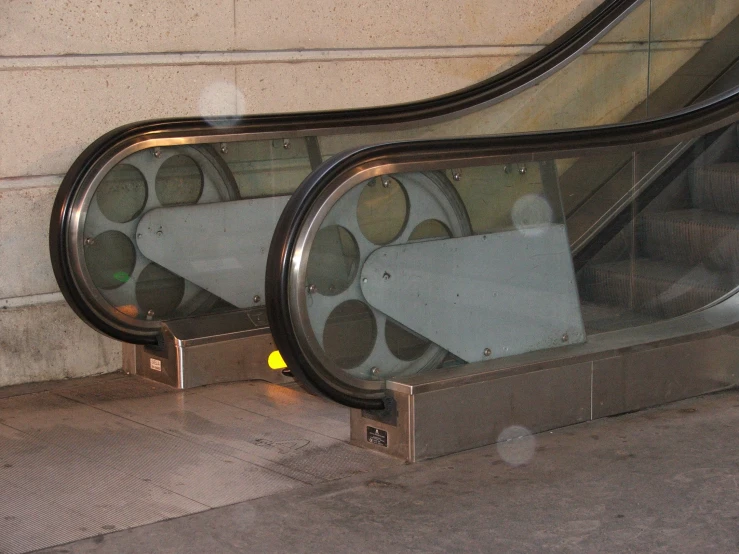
275,360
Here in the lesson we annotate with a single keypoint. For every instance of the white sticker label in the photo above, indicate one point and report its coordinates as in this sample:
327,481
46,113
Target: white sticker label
156,365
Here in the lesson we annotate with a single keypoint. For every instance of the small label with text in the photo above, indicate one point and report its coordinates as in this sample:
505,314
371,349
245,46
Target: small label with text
376,436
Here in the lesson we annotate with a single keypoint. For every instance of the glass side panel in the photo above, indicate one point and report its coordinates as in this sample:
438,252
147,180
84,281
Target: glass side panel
411,271
674,247
150,245
149,252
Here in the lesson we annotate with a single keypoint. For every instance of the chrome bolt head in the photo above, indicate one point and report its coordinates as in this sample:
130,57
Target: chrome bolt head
522,169
312,289
150,313
565,337
89,241
364,279
224,148
256,298
385,181
375,371
487,352
286,144
157,152
456,175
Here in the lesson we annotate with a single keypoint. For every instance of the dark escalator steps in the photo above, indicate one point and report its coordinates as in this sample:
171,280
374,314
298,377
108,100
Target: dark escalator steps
600,318
653,287
691,237
715,187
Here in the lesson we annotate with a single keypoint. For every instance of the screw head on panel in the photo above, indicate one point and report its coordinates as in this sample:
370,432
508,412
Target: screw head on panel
286,144
506,168
224,148
256,299
312,289
487,352
385,181
89,241
375,371
456,174
522,169
157,152
150,313
565,337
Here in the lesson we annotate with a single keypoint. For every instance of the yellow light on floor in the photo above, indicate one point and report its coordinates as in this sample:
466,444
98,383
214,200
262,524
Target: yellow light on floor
275,361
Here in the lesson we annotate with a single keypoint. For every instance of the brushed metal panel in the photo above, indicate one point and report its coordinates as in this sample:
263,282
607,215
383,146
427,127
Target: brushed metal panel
483,296
650,377
460,418
399,437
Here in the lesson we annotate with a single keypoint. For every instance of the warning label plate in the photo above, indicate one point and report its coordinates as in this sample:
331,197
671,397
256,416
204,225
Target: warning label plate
376,436
154,364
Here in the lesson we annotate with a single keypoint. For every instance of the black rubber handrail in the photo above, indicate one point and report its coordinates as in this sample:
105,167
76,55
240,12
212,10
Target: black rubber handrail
509,82
695,120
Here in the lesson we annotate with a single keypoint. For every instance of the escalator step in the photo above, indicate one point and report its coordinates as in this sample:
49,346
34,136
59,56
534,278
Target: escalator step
599,318
691,237
715,187
656,288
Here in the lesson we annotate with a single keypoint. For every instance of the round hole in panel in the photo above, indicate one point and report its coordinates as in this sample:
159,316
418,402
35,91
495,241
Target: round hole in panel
430,229
121,195
350,334
179,181
404,343
110,258
333,261
159,291
382,210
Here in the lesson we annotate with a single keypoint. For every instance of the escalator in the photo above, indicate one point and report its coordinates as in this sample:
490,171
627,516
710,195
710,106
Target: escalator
182,220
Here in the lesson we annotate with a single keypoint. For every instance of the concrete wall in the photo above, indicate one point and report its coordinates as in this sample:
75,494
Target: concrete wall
71,71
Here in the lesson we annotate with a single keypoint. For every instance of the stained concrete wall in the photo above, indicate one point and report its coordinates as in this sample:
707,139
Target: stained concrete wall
71,71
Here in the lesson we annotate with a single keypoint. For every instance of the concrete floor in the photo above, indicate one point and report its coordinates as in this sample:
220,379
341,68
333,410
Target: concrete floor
661,480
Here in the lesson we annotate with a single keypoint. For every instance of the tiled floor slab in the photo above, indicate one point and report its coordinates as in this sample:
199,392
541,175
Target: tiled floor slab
663,480
97,455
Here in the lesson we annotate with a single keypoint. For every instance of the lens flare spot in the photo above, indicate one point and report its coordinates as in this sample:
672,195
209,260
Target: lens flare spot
121,276
128,309
532,214
516,445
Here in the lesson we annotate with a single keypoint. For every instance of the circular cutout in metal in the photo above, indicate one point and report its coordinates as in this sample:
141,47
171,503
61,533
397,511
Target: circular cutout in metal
333,262
430,229
382,210
349,334
403,343
179,181
110,259
159,291
121,195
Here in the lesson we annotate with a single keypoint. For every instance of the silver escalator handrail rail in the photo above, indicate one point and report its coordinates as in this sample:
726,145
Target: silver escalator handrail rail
109,149
357,165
